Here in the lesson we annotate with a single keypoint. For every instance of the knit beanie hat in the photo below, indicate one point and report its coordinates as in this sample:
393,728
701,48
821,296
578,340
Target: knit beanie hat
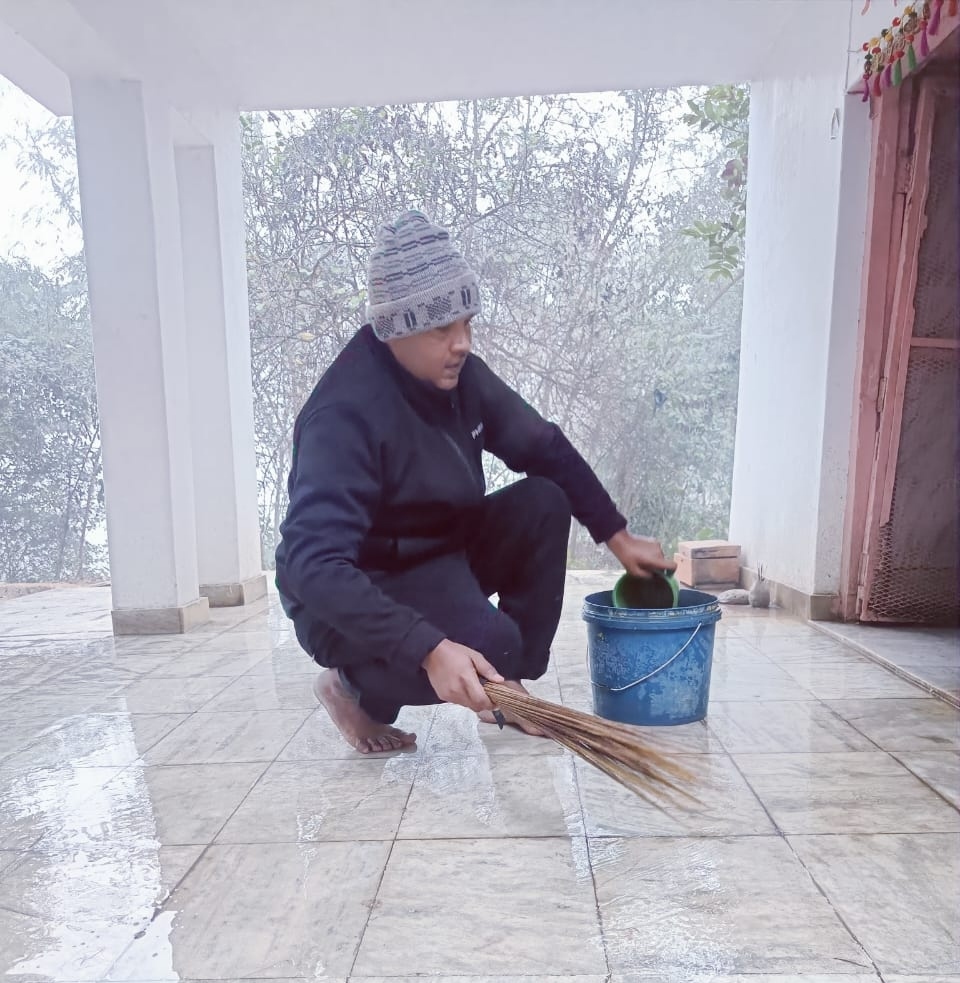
417,279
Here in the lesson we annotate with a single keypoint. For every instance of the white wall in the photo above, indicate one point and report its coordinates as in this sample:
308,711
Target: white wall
839,403
799,326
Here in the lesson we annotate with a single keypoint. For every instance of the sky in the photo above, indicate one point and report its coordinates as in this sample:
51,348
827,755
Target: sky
45,243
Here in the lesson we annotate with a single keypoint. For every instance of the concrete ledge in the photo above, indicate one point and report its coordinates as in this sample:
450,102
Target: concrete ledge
235,595
8,591
810,607
911,677
161,621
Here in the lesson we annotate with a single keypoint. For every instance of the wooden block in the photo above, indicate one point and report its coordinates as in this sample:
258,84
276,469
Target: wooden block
696,572
701,549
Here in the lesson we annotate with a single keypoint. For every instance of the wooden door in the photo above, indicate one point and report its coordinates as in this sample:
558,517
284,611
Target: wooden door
909,561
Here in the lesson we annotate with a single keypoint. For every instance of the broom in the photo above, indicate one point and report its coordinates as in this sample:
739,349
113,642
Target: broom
615,749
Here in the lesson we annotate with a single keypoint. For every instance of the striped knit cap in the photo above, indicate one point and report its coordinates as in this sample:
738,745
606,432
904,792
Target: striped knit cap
417,279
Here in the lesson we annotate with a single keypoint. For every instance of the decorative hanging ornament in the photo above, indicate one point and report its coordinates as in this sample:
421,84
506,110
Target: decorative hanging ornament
888,58
934,17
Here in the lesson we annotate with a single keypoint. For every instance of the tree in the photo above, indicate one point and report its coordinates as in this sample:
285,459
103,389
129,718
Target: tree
51,494
724,110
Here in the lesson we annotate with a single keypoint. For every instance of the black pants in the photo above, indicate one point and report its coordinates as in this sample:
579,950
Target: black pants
519,552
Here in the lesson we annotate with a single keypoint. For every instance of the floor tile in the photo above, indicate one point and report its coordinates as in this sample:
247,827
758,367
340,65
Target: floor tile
89,740
899,895
676,907
482,915
300,801
775,725
265,693
852,682
144,662
572,662
818,650
21,729
757,628
939,769
163,694
939,978
919,646
103,674
738,651
288,658
919,724
695,738
265,910
173,645
545,688
726,804
485,979
943,656
319,740
244,641
198,662
35,802
172,805
853,792
502,795
747,978
64,697
20,671
8,857
946,677
577,696
69,916
754,682
457,730
46,646
217,737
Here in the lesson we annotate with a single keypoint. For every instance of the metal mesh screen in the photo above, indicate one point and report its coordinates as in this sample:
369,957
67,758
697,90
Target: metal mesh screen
938,269
916,578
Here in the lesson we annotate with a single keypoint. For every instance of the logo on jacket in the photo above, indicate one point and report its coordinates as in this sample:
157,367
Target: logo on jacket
477,431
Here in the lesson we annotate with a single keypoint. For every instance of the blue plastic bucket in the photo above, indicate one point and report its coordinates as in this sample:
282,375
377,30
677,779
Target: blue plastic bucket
651,667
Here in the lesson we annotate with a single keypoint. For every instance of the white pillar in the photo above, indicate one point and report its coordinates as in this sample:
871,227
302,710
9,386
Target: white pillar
218,337
785,350
131,228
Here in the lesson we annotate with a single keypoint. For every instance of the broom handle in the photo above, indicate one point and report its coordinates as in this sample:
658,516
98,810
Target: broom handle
650,675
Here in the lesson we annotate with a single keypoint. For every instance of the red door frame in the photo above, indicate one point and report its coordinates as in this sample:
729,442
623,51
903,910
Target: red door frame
885,206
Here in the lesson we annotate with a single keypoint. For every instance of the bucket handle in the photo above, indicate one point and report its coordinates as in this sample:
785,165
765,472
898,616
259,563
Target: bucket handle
650,675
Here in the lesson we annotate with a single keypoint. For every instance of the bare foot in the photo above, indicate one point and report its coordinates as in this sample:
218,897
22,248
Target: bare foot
488,718
357,727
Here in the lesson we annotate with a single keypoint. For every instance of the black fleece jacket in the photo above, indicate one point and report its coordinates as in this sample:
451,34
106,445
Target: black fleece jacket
387,473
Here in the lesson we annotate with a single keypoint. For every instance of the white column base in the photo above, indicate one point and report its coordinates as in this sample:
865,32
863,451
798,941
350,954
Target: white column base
235,595
810,607
161,621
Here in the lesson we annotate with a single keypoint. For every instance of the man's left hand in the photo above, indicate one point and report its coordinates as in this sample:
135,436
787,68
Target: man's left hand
640,557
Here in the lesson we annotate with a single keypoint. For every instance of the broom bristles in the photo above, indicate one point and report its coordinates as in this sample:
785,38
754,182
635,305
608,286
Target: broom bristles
615,749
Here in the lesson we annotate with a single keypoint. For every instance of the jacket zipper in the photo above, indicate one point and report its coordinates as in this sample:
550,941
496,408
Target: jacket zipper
462,456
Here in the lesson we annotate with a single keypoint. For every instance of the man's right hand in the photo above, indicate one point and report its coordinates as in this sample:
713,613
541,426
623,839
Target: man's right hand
455,672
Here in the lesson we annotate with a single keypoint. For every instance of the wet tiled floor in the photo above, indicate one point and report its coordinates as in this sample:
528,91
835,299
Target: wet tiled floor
179,808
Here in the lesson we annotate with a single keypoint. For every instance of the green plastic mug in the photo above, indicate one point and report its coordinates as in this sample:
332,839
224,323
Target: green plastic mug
639,593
